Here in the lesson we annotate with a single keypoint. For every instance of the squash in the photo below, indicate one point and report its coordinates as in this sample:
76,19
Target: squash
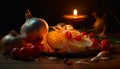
34,29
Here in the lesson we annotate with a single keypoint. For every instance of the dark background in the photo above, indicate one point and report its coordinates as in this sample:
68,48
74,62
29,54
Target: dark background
12,12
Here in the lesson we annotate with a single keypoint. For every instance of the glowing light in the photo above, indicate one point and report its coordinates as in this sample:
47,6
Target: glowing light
75,12
75,16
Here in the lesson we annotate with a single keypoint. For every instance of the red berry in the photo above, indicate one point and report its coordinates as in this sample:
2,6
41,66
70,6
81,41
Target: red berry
24,53
77,38
35,51
14,53
68,35
105,44
95,41
83,33
65,60
69,62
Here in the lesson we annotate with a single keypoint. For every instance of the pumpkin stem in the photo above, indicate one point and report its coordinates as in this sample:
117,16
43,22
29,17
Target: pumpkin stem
28,14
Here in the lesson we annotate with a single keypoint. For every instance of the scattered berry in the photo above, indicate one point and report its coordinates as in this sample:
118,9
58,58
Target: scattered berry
68,35
24,53
14,53
77,38
65,60
105,45
69,62
83,33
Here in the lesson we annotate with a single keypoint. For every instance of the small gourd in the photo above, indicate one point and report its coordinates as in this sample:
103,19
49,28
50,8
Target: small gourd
34,29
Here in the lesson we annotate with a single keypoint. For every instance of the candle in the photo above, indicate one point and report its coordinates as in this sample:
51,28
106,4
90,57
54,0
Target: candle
75,19
75,16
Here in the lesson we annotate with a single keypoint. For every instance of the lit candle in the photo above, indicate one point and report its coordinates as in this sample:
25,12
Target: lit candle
75,19
75,16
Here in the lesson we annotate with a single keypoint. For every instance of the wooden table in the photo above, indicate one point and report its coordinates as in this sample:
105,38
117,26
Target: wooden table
44,63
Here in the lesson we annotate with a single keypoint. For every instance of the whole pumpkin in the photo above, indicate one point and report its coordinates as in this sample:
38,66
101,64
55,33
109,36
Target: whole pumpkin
34,29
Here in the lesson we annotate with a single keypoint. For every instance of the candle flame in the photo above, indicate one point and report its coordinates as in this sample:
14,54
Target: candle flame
75,12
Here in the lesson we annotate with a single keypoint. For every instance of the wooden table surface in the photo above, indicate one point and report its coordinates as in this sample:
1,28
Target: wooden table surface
44,63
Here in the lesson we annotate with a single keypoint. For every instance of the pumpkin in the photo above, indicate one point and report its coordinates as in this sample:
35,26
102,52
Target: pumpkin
34,29
56,40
